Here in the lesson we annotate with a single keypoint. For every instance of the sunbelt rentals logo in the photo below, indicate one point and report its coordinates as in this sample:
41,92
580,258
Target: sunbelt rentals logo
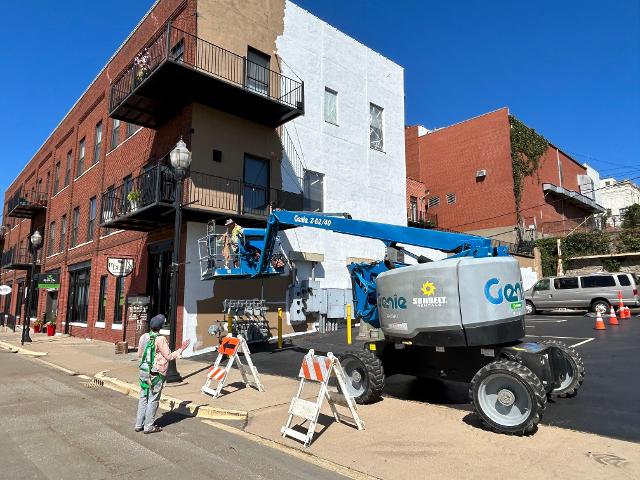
429,297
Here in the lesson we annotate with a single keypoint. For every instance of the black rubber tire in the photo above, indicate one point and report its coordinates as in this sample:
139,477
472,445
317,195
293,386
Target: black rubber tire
577,364
602,301
527,379
373,371
533,307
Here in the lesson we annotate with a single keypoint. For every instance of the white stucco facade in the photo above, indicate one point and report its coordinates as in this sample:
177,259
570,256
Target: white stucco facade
367,183
617,195
590,186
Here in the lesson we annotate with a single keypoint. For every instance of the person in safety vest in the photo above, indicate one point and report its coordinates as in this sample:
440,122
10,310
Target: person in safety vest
153,350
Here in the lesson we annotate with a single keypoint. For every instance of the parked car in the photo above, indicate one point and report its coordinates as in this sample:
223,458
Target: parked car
596,292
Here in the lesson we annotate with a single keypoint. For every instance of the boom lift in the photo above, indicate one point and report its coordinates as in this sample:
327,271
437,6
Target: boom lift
460,318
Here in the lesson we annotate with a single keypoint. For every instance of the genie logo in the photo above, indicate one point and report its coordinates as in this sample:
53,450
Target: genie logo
511,293
393,303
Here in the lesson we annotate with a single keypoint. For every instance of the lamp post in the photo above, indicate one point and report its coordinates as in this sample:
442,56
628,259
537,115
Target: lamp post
180,160
36,241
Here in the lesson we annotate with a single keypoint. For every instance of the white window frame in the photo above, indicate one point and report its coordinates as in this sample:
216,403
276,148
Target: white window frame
330,93
380,142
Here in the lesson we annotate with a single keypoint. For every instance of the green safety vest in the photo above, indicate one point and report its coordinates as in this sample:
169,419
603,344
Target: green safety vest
147,379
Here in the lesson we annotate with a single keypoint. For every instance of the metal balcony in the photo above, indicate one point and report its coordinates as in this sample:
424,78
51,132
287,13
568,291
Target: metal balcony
205,197
177,68
18,259
421,219
26,204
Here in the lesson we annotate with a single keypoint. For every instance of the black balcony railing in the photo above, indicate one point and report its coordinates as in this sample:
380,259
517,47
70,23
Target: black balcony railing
177,67
17,258
26,204
522,247
420,219
147,201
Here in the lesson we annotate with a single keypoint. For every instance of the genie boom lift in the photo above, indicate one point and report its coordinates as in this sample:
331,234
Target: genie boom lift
460,318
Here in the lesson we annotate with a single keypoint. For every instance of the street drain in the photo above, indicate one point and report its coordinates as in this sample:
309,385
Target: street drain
608,459
93,384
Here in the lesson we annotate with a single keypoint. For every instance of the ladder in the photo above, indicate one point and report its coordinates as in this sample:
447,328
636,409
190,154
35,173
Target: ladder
229,348
316,368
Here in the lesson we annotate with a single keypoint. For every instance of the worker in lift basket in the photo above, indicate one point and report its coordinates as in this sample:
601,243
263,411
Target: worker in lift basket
231,239
154,351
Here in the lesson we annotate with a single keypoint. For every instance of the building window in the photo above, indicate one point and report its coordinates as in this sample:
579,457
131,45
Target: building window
52,238
78,300
63,233
413,211
102,299
451,198
47,183
177,51
56,178
330,106
74,226
118,308
98,144
313,191
376,125
67,174
92,219
131,129
108,207
433,202
80,168
115,133
258,71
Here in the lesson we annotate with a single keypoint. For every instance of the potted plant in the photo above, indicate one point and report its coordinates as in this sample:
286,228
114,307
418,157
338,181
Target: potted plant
51,327
142,64
134,197
37,326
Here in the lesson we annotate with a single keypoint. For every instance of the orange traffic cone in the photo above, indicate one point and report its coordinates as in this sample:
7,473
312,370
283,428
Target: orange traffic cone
621,308
627,312
613,320
599,322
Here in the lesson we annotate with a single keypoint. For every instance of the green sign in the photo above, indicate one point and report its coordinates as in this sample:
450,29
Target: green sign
49,281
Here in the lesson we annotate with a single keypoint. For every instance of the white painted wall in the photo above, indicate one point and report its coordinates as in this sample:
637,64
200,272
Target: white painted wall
368,184
618,194
596,193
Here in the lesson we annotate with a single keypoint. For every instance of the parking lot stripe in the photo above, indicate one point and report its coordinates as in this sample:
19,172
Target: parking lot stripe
546,321
582,342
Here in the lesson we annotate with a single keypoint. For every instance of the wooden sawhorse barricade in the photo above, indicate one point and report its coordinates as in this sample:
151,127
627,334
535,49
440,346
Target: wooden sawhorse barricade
229,348
320,369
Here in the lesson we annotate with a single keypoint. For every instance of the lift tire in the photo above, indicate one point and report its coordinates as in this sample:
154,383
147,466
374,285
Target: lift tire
571,385
508,397
364,375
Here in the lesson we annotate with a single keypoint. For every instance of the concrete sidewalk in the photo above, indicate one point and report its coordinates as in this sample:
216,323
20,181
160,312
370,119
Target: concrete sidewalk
403,439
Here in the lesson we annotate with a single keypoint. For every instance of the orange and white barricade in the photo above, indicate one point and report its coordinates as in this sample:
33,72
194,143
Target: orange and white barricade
320,369
229,348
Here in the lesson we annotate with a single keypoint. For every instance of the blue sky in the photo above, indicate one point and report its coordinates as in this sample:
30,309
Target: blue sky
569,69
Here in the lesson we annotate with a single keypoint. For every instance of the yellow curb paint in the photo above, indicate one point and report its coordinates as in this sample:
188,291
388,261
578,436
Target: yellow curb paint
294,452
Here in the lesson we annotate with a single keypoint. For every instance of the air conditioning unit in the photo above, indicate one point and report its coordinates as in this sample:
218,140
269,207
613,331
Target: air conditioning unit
481,173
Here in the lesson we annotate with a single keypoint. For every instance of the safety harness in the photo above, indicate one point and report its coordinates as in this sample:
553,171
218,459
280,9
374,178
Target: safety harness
149,379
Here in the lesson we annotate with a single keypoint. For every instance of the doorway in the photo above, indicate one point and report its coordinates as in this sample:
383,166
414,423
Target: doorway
258,71
159,280
78,301
51,309
256,185
19,299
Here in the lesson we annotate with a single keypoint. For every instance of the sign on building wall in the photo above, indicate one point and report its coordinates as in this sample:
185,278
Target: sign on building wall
5,290
120,267
48,281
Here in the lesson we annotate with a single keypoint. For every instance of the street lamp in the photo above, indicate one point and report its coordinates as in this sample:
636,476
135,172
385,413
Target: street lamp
36,241
180,160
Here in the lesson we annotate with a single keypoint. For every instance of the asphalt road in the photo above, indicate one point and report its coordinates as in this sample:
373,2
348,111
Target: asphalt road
607,404
54,427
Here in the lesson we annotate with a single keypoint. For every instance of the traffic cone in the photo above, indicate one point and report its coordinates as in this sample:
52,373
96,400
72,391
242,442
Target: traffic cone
621,307
613,320
627,312
599,322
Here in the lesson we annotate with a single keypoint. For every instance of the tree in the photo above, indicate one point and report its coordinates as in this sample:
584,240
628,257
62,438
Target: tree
631,217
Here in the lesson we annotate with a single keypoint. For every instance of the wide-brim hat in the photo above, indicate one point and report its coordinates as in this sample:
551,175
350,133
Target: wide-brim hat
229,222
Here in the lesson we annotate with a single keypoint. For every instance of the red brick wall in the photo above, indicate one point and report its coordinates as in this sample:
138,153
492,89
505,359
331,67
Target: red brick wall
128,158
417,189
449,159
446,161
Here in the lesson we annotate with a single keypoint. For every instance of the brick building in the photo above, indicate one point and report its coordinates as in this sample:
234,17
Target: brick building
465,173
244,87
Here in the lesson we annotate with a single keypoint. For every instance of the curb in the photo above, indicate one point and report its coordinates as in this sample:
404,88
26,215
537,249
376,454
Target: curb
20,350
184,407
